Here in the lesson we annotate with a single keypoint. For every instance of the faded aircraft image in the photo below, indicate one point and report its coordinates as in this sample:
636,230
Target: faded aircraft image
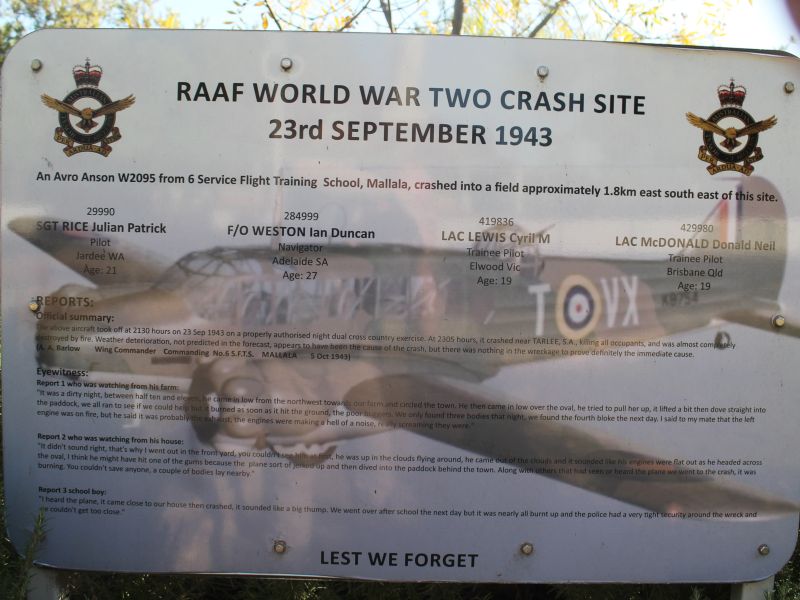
406,337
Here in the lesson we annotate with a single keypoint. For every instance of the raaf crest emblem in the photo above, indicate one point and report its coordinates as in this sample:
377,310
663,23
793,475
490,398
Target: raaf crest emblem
730,122
79,109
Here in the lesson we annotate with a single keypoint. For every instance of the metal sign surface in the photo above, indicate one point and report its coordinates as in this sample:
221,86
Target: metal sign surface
399,307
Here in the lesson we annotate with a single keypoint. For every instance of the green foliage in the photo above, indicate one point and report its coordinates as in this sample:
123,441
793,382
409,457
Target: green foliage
19,17
22,16
620,20
15,572
643,592
144,14
787,582
89,586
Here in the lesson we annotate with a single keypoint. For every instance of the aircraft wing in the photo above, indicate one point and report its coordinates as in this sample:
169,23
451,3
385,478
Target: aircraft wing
136,266
593,462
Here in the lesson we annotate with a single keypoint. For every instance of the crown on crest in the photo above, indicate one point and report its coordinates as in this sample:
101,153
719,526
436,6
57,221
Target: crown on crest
732,94
87,74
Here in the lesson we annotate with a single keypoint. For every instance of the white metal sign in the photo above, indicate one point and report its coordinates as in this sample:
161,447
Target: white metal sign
400,307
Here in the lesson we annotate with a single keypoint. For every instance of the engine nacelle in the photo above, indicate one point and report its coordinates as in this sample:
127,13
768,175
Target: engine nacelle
237,404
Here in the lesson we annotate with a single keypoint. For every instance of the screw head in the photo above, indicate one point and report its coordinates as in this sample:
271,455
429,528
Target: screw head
778,321
36,65
542,72
279,547
526,548
33,307
722,340
788,87
286,64
763,550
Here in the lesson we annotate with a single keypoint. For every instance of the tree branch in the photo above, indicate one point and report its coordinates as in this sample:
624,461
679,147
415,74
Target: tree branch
273,15
458,17
352,19
550,14
386,7
618,21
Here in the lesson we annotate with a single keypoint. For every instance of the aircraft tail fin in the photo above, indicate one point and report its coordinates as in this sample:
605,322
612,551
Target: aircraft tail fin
744,238
122,264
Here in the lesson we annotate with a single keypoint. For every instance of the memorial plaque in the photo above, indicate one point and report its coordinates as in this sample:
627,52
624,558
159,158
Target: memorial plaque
400,307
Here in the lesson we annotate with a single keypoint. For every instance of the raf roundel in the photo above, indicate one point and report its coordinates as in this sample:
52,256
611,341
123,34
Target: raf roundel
578,307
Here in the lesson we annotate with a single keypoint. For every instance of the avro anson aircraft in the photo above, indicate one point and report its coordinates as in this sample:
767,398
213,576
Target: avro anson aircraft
403,337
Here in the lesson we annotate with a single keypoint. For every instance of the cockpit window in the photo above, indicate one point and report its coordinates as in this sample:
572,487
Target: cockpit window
241,287
224,284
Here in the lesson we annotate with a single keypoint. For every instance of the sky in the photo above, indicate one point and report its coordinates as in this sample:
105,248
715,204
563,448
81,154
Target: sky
764,24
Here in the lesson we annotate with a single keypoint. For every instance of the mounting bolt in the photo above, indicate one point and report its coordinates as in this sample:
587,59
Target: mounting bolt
526,548
542,72
788,87
763,550
778,321
279,547
36,65
287,64
33,307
